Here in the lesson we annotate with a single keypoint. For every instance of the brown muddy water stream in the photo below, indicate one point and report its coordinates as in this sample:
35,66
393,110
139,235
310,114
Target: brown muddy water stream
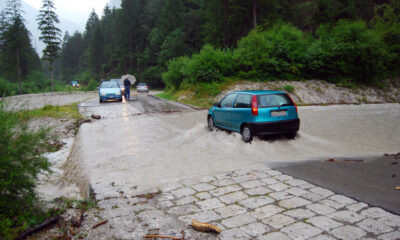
140,152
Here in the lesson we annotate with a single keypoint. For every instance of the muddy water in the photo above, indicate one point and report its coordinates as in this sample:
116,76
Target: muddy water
145,151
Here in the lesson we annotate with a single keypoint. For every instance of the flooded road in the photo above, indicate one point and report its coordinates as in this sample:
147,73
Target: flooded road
170,142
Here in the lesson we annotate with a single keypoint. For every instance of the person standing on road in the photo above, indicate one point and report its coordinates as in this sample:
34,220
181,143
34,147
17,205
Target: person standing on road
127,85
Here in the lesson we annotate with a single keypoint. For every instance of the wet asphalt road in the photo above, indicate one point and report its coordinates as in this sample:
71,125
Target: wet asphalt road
148,142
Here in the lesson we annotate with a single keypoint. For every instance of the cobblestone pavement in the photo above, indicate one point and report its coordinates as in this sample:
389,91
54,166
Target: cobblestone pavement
246,204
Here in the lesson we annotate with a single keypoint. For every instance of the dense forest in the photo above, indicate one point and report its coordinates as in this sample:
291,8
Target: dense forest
176,43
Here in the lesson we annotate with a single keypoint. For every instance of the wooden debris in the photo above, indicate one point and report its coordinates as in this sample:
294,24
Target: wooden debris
37,228
205,227
331,160
78,220
99,223
94,116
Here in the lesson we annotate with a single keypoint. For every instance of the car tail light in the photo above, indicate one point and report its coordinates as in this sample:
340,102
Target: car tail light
254,105
292,101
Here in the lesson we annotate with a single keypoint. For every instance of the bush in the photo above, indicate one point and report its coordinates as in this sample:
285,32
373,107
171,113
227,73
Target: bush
7,88
275,53
347,51
21,161
83,78
175,76
209,65
92,85
289,88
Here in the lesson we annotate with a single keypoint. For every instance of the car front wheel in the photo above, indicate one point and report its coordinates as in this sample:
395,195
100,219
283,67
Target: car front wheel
211,124
247,134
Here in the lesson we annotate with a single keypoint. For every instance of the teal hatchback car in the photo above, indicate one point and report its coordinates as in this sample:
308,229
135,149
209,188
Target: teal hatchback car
255,113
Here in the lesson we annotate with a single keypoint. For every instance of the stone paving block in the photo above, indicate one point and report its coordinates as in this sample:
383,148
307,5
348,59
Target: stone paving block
391,220
235,233
348,232
238,221
275,236
296,182
278,221
203,195
165,204
233,197
266,211
390,236
189,182
278,187
258,191
300,213
207,216
324,237
342,199
184,210
374,226
273,172
296,191
181,192
357,206
209,204
231,210
244,178
255,229
242,172
269,180
346,216
306,186
331,204
225,175
324,223
320,208
280,195
202,187
255,202
294,202
225,190
222,182
261,174
374,212
186,200
171,187
165,196
312,197
207,179
301,231
322,191
252,184
283,177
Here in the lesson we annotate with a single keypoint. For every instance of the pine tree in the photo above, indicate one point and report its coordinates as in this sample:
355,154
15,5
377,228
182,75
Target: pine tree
50,34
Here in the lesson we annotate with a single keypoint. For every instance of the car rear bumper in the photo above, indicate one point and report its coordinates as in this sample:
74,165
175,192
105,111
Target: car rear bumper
266,128
142,90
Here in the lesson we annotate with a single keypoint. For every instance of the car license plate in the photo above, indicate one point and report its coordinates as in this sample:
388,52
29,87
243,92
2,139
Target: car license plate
278,113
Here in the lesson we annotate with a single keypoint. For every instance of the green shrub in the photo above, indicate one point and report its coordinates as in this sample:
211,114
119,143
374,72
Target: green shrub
209,65
92,85
348,51
7,88
174,76
289,88
21,161
275,53
83,78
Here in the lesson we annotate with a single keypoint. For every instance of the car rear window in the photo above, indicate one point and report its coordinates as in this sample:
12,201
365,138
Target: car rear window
274,100
243,101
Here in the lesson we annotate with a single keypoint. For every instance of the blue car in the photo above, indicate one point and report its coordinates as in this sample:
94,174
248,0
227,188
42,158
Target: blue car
255,113
110,91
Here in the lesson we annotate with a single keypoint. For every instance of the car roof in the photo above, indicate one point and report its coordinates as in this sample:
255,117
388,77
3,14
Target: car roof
258,92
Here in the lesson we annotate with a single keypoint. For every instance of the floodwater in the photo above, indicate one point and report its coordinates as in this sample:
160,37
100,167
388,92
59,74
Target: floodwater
135,151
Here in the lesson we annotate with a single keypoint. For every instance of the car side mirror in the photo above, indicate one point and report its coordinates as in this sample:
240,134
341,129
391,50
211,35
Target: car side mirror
216,105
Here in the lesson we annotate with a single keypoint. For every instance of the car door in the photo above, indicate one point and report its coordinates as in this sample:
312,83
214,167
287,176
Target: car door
241,111
223,112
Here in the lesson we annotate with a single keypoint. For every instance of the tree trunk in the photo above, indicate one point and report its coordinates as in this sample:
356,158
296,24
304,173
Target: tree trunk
19,73
254,13
52,77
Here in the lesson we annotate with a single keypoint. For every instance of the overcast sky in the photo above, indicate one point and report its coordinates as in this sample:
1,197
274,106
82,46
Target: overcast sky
74,10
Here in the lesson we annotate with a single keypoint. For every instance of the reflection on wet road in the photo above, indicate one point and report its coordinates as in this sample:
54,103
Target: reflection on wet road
145,151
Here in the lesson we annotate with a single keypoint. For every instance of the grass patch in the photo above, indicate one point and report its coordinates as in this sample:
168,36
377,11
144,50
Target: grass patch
66,111
167,95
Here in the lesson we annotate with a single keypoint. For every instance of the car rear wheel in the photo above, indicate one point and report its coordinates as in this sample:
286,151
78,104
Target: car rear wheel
247,134
211,124
100,100
291,135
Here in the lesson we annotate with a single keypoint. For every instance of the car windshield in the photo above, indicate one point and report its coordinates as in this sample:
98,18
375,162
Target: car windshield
74,82
274,100
108,85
